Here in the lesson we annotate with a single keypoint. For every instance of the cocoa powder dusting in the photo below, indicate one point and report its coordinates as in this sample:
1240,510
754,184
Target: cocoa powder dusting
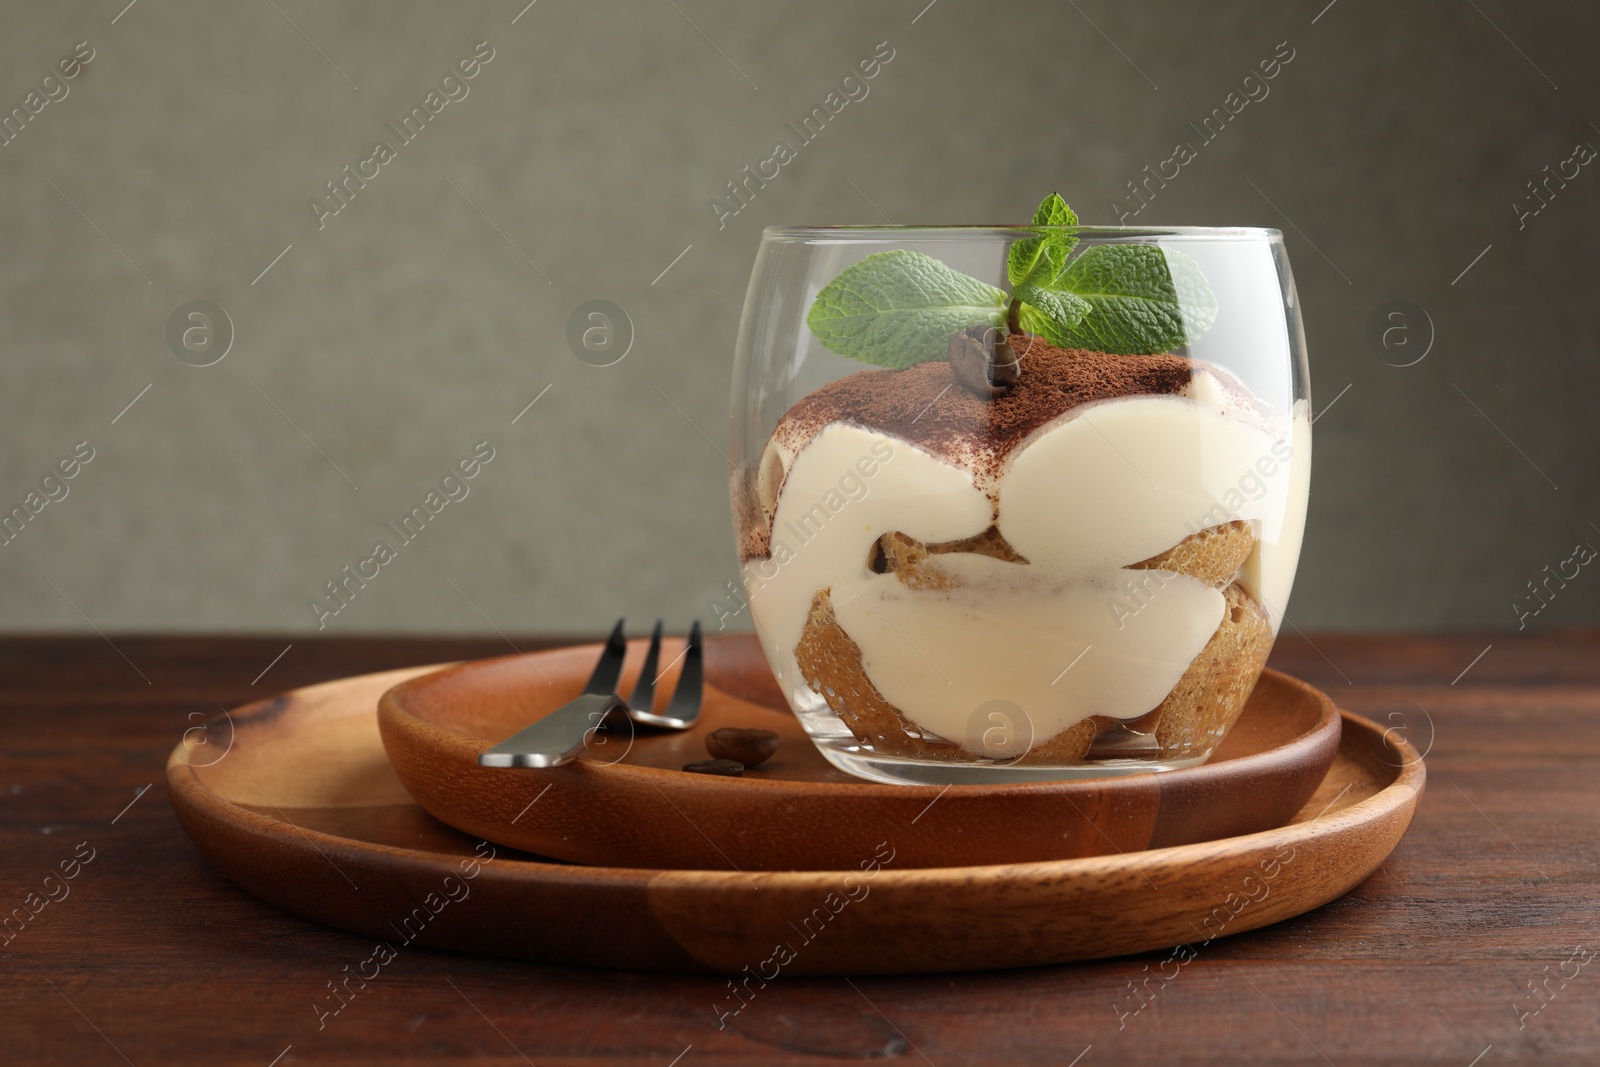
923,405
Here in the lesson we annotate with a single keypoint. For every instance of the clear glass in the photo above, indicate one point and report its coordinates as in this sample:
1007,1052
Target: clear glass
1081,578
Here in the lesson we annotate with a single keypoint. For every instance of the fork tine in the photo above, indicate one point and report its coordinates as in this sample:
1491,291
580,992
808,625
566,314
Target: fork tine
685,704
609,668
644,690
684,707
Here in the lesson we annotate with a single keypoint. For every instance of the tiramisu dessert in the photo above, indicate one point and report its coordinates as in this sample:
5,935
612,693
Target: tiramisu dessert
1042,546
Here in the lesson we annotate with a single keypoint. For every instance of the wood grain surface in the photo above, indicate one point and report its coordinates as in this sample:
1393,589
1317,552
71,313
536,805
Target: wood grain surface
146,955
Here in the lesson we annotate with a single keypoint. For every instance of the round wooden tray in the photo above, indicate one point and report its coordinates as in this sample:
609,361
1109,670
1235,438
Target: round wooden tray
303,810
628,803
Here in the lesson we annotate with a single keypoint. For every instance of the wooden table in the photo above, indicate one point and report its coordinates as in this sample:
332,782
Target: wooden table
152,958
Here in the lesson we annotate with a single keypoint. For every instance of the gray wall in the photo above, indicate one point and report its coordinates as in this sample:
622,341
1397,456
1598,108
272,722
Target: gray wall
379,349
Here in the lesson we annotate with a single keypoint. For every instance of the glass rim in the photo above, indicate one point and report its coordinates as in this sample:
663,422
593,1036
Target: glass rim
863,231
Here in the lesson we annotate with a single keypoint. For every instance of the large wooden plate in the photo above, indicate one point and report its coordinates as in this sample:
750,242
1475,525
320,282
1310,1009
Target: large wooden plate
303,810
628,803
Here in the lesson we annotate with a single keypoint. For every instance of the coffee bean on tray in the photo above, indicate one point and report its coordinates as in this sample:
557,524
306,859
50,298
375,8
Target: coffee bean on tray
742,744
726,767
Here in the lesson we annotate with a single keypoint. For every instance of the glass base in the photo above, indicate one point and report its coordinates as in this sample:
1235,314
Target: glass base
851,758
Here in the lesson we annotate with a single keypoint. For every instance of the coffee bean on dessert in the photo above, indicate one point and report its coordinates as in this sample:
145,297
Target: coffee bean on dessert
726,767
742,744
983,362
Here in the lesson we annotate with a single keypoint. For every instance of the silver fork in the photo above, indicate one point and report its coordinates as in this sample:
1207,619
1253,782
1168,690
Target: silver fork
684,706
560,736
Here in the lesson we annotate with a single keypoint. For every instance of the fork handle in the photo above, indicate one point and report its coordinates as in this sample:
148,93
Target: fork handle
555,739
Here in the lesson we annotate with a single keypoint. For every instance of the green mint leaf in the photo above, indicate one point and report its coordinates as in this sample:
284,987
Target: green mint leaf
1142,299
1053,211
1040,258
1036,321
1061,310
900,308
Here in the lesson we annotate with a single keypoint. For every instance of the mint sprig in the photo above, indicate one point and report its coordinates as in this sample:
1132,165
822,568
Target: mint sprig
900,308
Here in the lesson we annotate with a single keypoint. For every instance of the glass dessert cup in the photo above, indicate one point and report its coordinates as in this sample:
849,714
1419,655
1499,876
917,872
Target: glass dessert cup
1074,569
